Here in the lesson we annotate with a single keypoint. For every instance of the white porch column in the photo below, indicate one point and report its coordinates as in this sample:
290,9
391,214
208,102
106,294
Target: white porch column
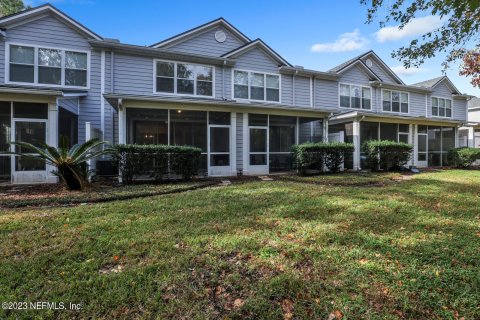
122,125
413,139
456,136
233,143
246,162
471,137
356,144
325,129
52,137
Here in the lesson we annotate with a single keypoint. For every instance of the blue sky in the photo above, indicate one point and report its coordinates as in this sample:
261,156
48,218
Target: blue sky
315,34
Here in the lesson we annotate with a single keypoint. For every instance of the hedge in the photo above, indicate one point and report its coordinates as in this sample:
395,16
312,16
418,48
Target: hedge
316,156
386,154
155,161
463,157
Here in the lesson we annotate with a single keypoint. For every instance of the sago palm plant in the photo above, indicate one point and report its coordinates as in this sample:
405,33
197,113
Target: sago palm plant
68,161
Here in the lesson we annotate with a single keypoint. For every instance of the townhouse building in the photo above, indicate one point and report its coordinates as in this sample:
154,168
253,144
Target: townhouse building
212,87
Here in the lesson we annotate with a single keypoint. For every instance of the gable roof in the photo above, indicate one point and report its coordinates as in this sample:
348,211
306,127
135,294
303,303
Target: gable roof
257,43
432,83
347,63
27,14
474,103
217,22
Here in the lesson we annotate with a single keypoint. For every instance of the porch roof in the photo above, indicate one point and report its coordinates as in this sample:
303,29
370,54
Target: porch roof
116,99
370,115
40,91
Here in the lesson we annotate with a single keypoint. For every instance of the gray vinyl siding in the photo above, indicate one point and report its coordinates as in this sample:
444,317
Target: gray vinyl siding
326,94
69,104
459,111
228,84
379,70
2,62
133,74
256,60
417,104
355,76
47,31
459,107
302,92
287,93
205,43
90,105
240,141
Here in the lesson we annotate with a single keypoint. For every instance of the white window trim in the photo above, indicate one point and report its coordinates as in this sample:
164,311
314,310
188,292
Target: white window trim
438,116
361,99
174,93
264,88
395,112
36,66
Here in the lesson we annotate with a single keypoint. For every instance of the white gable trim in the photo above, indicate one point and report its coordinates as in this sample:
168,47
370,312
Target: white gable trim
263,46
23,17
197,30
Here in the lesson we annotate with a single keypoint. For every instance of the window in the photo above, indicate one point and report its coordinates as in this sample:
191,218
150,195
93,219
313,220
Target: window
395,101
182,78
22,64
75,69
441,107
256,86
356,97
47,66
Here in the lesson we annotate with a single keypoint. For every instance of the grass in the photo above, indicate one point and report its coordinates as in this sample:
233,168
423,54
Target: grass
257,250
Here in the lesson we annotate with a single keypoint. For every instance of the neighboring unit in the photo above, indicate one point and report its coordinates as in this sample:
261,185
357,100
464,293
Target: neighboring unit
212,87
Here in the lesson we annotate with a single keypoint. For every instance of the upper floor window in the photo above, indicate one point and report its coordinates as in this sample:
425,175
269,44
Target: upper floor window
256,86
395,101
182,78
441,107
353,96
46,66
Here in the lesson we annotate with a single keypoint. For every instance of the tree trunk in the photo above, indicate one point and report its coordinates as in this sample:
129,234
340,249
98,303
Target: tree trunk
71,180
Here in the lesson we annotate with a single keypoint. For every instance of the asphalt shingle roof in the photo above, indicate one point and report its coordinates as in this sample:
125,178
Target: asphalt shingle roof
428,83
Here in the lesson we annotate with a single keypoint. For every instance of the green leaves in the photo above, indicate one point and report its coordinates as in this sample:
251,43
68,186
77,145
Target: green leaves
317,155
386,154
155,161
463,157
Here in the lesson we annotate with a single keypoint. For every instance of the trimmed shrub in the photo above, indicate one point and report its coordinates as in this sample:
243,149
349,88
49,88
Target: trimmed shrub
316,156
386,154
463,157
155,161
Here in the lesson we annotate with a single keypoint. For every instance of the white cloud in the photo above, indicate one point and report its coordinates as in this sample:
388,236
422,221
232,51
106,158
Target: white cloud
416,26
349,41
400,70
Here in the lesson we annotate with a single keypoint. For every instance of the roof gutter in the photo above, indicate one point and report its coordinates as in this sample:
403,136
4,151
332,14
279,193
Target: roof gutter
379,84
160,53
308,73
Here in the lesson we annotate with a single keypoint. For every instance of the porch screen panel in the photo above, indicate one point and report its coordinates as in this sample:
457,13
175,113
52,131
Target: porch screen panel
5,134
368,131
389,131
147,126
34,133
434,146
310,130
189,128
282,138
448,143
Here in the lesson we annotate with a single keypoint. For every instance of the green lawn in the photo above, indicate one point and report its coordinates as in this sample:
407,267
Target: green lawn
283,249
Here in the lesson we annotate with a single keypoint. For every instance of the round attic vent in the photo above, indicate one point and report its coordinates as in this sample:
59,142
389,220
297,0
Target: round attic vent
369,63
220,36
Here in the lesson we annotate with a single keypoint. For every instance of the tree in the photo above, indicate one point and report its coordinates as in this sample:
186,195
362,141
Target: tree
471,66
11,6
459,31
70,162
